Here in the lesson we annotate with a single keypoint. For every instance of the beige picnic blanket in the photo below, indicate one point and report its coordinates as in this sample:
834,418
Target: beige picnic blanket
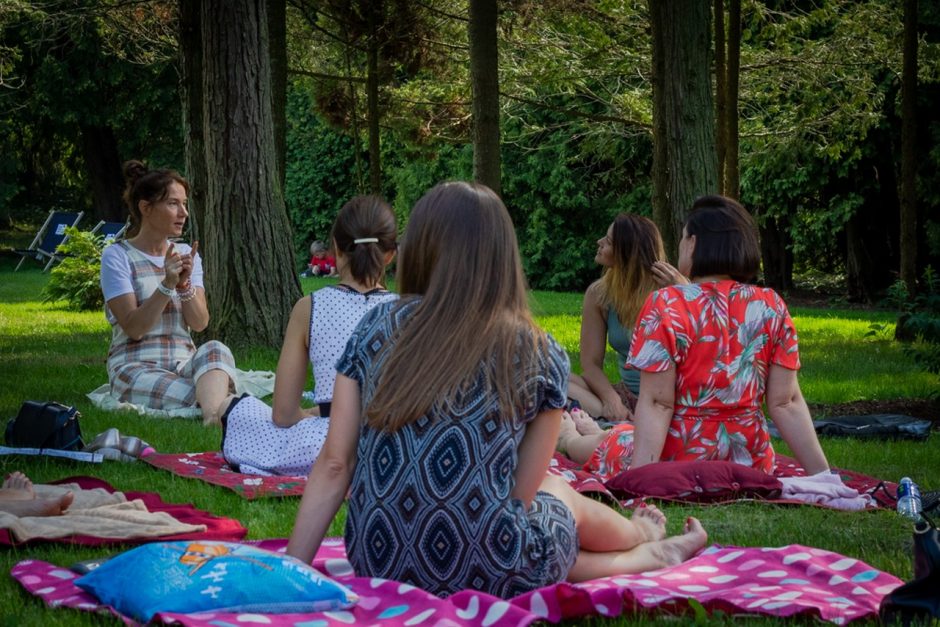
94,512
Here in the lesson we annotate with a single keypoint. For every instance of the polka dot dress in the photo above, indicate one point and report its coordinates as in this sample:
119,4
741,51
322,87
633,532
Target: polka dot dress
252,443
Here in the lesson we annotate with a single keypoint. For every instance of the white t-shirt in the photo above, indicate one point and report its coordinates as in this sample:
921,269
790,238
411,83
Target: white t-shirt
116,270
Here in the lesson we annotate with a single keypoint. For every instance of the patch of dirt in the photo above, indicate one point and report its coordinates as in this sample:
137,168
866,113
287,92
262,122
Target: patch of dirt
925,408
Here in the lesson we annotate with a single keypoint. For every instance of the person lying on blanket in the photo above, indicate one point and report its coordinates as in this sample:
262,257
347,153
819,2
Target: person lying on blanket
17,498
710,353
285,439
445,410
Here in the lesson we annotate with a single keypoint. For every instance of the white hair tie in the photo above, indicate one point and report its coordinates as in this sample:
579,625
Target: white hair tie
366,240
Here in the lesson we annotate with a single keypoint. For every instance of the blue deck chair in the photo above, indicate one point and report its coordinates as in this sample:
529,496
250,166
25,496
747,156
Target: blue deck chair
109,231
49,236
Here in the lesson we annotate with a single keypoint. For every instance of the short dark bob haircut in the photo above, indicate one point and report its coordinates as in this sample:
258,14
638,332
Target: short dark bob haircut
725,239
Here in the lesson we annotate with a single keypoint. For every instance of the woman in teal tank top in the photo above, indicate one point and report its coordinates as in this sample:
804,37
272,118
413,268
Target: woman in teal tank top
632,255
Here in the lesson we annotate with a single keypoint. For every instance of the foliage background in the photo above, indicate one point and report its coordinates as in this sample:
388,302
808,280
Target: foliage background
819,117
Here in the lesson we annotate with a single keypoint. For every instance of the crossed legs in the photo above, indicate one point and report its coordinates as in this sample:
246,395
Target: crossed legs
612,544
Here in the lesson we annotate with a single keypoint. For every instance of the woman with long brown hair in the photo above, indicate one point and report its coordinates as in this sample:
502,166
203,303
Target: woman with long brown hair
446,409
634,262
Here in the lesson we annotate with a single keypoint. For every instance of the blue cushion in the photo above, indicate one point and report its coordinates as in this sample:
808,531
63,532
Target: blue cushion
187,577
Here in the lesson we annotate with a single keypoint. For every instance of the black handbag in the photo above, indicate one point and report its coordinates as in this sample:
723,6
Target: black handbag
918,600
45,425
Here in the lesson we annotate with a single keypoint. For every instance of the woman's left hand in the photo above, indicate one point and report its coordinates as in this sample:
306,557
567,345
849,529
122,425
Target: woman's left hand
188,260
667,274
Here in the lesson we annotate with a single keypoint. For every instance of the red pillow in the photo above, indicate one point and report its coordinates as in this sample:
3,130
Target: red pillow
695,481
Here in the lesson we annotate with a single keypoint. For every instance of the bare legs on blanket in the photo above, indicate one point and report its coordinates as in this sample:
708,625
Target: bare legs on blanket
612,544
212,392
579,436
17,498
579,390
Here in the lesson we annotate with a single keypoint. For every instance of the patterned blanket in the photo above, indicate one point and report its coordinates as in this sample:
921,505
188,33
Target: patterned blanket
212,468
784,581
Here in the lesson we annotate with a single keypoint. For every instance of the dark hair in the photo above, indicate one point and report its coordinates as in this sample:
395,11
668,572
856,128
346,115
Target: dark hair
145,184
725,239
365,217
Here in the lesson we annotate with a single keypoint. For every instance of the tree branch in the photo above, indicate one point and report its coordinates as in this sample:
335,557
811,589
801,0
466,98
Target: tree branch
326,77
579,114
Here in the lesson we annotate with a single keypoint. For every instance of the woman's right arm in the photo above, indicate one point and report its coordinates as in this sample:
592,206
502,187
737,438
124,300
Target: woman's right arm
331,474
292,366
654,411
593,349
791,415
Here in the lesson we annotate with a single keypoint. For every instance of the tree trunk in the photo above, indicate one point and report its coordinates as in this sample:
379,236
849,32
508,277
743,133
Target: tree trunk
191,98
684,156
372,98
277,45
484,82
247,246
103,167
776,252
721,77
732,184
872,233
909,149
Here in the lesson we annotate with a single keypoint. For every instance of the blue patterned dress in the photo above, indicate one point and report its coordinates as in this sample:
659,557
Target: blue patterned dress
430,504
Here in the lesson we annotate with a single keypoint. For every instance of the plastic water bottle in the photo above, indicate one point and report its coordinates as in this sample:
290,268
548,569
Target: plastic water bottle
909,504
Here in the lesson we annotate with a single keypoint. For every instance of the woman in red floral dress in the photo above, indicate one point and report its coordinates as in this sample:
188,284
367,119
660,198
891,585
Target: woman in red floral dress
710,354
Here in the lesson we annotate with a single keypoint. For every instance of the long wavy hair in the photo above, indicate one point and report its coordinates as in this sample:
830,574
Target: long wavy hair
636,244
460,256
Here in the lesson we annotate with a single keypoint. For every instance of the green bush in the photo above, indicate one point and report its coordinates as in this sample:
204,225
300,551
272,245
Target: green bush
76,278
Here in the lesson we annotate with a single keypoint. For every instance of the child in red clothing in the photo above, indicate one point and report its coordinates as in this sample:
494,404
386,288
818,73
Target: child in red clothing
322,263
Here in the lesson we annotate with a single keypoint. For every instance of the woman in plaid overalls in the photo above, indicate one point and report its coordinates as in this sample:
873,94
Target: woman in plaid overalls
154,294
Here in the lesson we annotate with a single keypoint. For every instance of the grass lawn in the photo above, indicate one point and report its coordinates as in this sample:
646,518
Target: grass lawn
50,353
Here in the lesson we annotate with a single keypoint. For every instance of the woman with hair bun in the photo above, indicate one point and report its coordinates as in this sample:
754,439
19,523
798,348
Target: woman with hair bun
286,439
154,294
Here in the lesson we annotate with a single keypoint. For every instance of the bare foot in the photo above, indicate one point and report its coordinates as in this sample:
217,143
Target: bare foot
584,423
651,522
568,432
17,487
52,506
678,549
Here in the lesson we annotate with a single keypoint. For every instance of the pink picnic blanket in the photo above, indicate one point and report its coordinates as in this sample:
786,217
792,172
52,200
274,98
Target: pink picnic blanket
785,581
217,527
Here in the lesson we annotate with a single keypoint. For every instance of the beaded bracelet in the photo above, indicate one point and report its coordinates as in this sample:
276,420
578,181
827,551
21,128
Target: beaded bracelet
188,294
